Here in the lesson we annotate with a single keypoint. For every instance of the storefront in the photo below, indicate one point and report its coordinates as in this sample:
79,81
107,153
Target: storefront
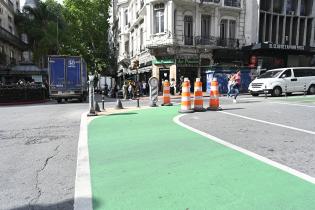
264,56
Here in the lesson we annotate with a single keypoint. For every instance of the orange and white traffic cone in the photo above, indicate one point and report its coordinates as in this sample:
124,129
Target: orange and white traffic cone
198,102
166,94
214,104
186,101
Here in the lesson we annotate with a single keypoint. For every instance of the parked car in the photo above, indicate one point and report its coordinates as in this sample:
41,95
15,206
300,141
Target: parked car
284,80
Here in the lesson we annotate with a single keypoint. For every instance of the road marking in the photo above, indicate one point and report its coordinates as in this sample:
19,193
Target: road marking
83,192
270,123
247,152
292,104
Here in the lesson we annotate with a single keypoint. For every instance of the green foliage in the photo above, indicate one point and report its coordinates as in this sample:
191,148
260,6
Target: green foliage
88,24
82,30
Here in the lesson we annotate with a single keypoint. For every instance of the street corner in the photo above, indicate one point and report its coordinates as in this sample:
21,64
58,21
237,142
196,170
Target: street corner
147,158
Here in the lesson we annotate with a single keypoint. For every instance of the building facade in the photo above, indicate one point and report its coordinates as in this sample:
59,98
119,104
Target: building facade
11,46
282,36
174,38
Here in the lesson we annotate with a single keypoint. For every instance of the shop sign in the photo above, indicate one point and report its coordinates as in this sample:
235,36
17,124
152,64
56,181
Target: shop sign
187,61
286,47
163,61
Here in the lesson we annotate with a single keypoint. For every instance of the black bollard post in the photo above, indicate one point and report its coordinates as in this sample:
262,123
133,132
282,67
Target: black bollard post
266,91
103,100
285,91
138,104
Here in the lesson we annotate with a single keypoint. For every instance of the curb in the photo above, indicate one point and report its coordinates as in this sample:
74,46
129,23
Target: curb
83,190
23,102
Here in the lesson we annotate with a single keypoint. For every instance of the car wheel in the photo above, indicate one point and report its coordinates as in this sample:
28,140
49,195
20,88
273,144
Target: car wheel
311,90
254,94
59,101
276,92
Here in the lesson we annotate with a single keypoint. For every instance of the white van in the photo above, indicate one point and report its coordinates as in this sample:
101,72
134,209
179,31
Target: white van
289,80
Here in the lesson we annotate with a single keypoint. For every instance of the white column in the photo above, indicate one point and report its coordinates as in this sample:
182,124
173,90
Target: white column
171,17
148,21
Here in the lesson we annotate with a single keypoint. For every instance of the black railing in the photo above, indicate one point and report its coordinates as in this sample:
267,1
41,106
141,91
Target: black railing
209,1
228,42
215,41
14,40
232,3
188,40
206,40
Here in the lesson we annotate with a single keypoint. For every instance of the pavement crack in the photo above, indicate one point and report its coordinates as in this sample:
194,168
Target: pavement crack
38,189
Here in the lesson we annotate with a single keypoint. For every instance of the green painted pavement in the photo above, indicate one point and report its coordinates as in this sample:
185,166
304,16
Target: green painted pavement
301,99
143,160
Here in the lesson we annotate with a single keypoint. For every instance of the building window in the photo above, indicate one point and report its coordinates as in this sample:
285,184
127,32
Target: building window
205,26
126,17
1,10
1,49
232,29
141,40
127,47
228,29
277,6
291,7
11,54
232,3
0,22
159,18
9,19
223,29
10,29
188,30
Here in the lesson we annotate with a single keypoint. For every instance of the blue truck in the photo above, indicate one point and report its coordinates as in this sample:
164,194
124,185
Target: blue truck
67,77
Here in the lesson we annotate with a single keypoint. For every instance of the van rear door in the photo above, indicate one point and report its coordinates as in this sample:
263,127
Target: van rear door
57,73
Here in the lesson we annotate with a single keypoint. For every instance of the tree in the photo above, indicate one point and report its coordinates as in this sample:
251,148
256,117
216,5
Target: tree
88,24
40,24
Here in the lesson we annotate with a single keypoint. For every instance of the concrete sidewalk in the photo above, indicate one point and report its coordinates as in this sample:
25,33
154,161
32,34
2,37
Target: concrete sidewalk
141,159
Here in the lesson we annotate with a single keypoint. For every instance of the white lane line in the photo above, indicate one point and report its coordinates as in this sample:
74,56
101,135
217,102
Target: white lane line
83,193
270,123
292,104
247,152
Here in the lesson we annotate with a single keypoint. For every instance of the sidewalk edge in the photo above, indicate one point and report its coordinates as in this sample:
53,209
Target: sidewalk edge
83,192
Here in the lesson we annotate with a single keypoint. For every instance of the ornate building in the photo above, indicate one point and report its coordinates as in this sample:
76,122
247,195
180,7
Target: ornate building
173,38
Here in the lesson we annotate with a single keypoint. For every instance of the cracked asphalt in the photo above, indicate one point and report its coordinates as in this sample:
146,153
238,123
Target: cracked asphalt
38,152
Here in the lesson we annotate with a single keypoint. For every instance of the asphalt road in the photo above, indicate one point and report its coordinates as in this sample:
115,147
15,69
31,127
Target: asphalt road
38,153
293,148
38,147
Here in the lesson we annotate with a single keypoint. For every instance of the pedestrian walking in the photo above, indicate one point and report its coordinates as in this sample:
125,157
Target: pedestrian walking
130,90
237,85
179,85
231,82
144,88
172,86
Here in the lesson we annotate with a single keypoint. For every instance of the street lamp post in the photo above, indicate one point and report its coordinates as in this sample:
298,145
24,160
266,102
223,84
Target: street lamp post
136,66
91,96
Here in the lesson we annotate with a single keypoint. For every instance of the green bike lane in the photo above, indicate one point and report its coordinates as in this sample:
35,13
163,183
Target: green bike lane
143,160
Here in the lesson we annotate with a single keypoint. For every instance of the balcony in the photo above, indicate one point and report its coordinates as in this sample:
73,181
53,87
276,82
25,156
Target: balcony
188,40
210,1
217,42
10,38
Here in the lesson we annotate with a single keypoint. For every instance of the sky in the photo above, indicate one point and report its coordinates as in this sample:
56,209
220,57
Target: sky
23,1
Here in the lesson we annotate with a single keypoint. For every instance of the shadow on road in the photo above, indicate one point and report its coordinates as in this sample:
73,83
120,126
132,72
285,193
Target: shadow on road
65,205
